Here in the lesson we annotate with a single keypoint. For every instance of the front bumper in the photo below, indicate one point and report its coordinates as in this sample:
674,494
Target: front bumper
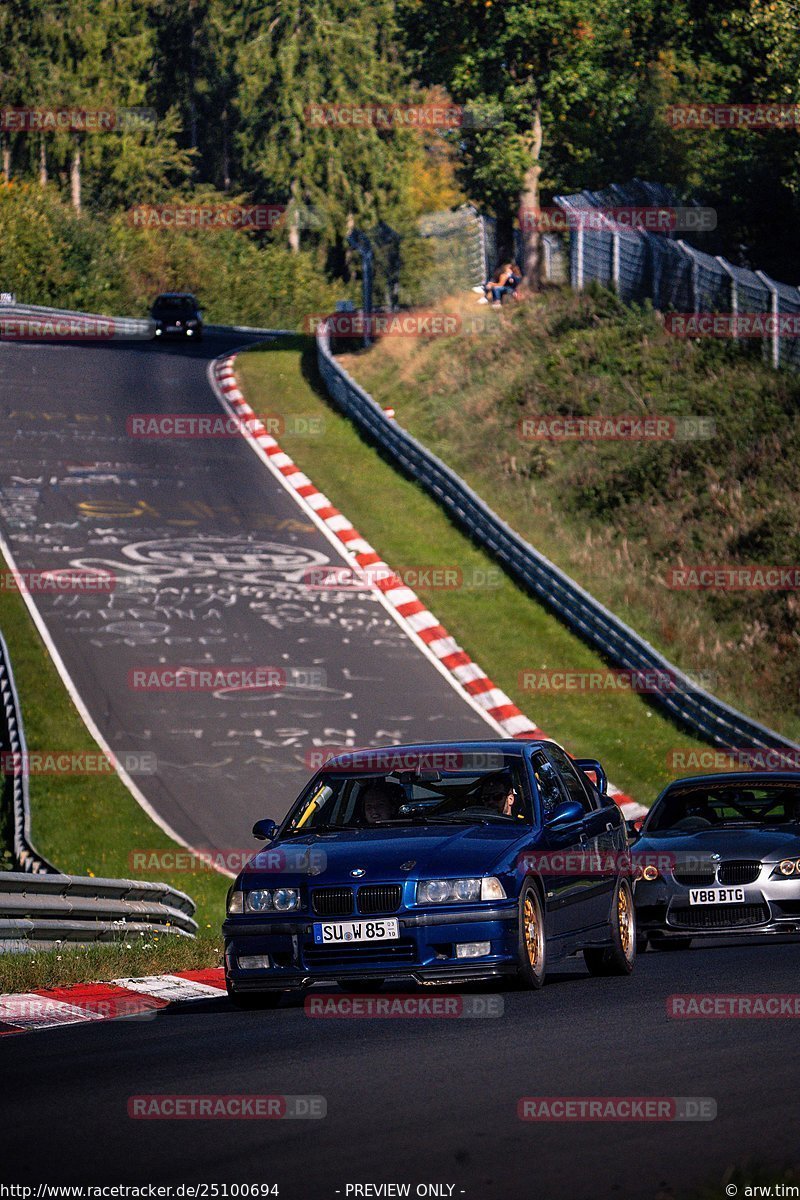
768,907
424,951
178,331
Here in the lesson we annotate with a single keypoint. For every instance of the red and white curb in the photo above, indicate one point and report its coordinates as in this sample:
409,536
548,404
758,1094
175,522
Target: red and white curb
473,682
25,1012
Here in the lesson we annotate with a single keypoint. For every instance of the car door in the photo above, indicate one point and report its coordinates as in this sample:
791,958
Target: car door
600,833
561,852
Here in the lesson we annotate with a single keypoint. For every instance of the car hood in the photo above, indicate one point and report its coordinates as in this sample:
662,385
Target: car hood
385,855
767,845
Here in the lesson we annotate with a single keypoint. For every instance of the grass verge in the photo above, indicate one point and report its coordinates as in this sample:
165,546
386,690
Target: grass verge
505,630
64,965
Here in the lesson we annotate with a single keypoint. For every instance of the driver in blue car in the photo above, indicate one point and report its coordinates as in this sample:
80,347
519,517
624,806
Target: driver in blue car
497,793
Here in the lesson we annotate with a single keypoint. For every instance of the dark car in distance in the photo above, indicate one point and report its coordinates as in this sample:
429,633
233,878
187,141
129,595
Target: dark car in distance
436,863
177,314
719,855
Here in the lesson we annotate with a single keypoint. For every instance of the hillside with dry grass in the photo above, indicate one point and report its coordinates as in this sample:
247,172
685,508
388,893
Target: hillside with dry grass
619,516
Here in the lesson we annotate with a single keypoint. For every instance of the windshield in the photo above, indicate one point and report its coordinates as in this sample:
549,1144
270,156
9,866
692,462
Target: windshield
357,801
735,806
174,303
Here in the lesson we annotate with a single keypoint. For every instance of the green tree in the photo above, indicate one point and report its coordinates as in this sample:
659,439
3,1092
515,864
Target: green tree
550,83
299,53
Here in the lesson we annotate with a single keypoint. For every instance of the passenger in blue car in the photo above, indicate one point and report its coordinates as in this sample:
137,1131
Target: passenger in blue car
380,803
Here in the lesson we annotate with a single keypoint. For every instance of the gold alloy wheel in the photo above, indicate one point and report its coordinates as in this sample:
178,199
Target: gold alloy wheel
625,920
533,932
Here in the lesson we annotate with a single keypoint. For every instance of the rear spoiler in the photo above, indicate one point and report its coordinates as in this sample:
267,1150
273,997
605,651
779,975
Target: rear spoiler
590,766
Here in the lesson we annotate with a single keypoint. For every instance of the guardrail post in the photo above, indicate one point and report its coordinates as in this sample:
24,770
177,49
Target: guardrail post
776,311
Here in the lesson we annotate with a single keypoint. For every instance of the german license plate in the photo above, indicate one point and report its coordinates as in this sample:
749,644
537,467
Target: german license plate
338,933
729,895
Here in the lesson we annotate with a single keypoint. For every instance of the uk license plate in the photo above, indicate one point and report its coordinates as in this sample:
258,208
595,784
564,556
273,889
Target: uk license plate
338,933
730,895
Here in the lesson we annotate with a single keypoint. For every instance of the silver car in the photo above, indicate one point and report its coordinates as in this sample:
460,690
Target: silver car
719,855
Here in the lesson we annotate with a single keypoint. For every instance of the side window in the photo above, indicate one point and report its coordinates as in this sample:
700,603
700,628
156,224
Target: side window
570,778
551,790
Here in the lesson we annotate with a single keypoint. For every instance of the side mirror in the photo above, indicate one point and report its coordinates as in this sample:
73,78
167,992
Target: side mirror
633,833
567,813
265,830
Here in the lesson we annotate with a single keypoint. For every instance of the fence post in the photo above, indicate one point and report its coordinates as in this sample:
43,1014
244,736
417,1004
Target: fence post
775,306
361,243
484,255
579,257
546,265
731,273
695,274
615,258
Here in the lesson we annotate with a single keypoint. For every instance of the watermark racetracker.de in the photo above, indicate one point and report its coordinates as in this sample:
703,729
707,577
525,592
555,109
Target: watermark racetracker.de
617,1108
236,1107
77,762
557,427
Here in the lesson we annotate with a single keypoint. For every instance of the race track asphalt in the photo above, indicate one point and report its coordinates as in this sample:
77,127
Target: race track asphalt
210,558
425,1100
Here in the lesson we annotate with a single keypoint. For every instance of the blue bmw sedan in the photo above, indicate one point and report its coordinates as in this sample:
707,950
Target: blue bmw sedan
435,863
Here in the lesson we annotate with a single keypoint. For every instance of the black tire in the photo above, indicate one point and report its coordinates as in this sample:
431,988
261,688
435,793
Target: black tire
253,1000
532,942
658,942
619,957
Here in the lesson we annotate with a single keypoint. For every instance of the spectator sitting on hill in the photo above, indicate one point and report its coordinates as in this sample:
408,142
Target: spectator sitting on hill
504,282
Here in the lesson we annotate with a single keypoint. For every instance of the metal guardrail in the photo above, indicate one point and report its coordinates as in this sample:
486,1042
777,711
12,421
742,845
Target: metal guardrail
42,909
38,905
15,785
689,705
120,328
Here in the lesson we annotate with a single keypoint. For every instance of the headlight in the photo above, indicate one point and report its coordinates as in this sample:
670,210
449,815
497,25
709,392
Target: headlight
434,891
272,900
787,868
459,891
467,889
285,899
235,902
